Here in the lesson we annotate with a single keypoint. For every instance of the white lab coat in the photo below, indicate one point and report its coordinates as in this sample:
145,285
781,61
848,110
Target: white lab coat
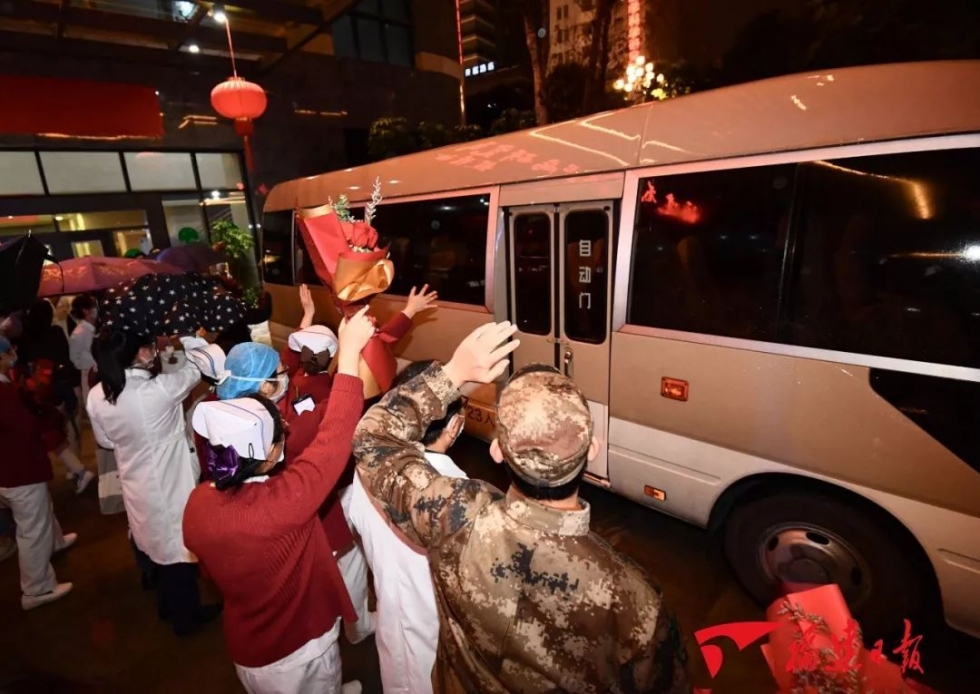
407,620
80,353
145,428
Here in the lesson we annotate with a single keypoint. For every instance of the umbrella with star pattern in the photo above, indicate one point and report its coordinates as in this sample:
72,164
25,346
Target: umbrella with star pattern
165,305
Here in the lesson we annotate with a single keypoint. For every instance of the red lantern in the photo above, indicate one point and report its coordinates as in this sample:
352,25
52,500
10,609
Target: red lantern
242,101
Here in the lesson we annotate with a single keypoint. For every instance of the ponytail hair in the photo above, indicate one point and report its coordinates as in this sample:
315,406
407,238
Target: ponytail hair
115,351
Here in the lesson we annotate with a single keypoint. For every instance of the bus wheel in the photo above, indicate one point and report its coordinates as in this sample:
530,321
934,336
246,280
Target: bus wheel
794,537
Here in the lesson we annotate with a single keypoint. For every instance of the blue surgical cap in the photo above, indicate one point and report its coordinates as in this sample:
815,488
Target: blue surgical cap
248,360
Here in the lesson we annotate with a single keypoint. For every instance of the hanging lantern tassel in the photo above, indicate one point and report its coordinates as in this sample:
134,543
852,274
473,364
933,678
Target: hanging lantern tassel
243,102
245,127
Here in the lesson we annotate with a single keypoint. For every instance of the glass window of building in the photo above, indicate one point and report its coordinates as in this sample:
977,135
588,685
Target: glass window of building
84,249
83,172
160,171
231,207
184,212
132,240
376,30
19,174
18,225
89,221
222,171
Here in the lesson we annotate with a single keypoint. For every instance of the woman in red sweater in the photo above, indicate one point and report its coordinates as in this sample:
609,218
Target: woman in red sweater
256,531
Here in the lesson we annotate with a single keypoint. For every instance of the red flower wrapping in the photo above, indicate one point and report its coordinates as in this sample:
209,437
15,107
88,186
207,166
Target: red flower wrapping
820,649
345,256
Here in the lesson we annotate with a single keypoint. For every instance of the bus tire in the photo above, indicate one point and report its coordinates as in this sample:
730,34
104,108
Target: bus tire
802,537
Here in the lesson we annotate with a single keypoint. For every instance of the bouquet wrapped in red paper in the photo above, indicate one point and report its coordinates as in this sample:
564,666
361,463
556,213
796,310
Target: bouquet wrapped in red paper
820,650
345,255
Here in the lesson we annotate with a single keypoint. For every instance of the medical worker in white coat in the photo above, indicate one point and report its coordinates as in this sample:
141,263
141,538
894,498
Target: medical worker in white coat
407,623
136,411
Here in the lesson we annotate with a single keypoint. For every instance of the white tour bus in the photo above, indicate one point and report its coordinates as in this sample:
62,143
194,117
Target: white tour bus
769,293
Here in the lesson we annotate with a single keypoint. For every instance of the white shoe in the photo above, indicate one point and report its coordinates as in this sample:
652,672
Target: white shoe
84,481
69,539
352,687
29,602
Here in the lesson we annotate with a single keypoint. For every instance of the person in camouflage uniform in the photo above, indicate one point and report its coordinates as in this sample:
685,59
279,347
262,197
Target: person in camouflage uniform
529,600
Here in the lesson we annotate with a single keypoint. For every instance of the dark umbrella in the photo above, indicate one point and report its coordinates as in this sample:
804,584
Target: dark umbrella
157,305
21,261
194,257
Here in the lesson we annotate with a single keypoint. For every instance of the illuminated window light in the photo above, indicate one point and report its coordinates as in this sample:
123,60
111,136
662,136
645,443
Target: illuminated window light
490,66
467,72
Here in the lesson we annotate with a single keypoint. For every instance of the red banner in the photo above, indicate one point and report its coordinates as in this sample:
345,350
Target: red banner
78,108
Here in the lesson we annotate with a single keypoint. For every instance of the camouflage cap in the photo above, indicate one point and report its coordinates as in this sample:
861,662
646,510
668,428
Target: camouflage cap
544,426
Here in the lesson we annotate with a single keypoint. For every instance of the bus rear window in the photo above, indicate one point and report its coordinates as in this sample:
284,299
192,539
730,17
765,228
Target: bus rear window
888,257
277,247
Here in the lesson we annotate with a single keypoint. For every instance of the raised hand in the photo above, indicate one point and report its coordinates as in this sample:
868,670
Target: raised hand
309,310
420,301
482,356
355,333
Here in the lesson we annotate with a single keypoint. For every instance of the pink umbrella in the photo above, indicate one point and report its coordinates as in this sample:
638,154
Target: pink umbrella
92,274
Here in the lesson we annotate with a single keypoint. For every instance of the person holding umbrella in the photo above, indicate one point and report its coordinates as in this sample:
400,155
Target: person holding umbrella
137,412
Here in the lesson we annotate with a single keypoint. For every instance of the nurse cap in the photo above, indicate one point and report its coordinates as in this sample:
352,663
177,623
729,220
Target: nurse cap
210,360
243,424
316,338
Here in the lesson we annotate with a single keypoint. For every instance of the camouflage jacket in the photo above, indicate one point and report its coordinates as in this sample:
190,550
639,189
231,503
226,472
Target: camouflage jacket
529,600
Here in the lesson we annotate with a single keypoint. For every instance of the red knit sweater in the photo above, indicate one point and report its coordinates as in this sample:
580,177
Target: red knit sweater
264,547
302,431
24,460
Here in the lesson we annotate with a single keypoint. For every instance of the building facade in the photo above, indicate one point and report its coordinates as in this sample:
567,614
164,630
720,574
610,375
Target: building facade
328,69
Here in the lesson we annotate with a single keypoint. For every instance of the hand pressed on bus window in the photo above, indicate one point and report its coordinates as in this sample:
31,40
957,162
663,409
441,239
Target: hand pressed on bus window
482,356
421,301
309,310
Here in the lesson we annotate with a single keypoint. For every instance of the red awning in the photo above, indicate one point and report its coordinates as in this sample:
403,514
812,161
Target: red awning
78,108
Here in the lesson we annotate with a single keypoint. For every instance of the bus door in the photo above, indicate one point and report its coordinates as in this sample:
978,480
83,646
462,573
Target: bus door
560,292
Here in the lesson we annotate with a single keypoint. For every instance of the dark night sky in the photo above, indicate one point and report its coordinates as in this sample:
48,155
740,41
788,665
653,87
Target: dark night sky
706,29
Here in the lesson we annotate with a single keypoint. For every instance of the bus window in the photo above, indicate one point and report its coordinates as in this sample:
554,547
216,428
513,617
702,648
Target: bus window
277,244
442,243
888,262
305,272
586,249
532,272
708,251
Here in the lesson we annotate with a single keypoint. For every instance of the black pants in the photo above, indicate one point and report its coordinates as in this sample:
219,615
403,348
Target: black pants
178,599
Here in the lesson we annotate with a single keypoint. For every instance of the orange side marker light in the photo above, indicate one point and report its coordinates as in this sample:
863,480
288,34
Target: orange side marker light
674,389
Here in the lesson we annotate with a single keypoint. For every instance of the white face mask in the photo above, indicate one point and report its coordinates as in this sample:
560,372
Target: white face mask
459,431
283,388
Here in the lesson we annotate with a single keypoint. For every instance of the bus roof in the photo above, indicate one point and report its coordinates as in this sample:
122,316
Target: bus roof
796,112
